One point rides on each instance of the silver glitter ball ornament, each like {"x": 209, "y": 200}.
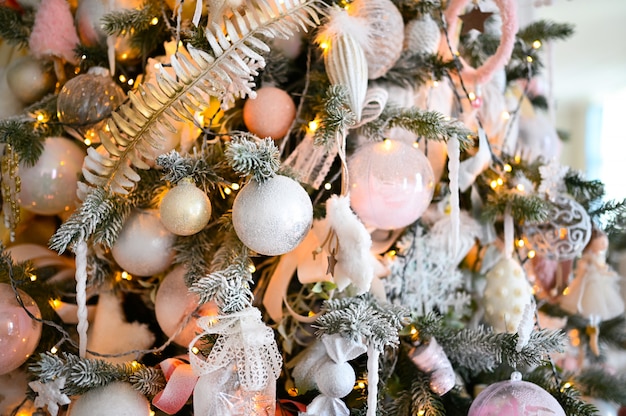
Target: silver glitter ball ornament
{"x": 272, "y": 217}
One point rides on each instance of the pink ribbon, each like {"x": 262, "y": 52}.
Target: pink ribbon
{"x": 181, "y": 381}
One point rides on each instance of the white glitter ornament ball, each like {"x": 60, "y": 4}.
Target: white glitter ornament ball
{"x": 422, "y": 35}
{"x": 385, "y": 38}
{"x": 506, "y": 294}
{"x": 117, "y": 398}
{"x": 335, "y": 379}
{"x": 185, "y": 209}
{"x": 29, "y": 80}
{"x": 174, "y": 302}
{"x": 391, "y": 184}
{"x": 19, "y": 333}
{"x": 270, "y": 114}
{"x": 144, "y": 247}
{"x": 272, "y": 217}
{"x": 49, "y": 187}
{"x": 566, "y": 233}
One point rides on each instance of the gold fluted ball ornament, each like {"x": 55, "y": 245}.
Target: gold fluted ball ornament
{"x": 185, "y": 209}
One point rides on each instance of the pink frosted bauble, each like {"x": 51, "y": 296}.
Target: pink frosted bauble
{"x": 117, "y": 398}
{"x": 144, "y": 247}
{"x": 19, "y": 334}
{"x": 515, "y": 397}
{"x": 172, "y": 305}
{"x": 49, "y": 187}
{"x": 272, "y": 217}
{"x": 270, "y": 114}
{"x": 391, "y": 184}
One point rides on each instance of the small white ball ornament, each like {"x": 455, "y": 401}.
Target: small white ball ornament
{"x": 49, "y": 187}
{"x": 506, "y": 294}
{"x": 335, "y": 379}
{"x": 29, "y": 80}
{"x": 144, "y": 247}
{"x": 391, "y": 184}
{"x": 117, "y": 398}
{"x": 272, "y": 217}
{"x": 185, "y": 209}
{"x": 270, "y": 114}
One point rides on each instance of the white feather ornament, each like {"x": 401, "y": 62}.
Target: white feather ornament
{"x": 385, "y": 36}
{"x": 344, "y": 57}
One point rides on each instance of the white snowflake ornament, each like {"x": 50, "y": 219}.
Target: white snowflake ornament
{"x": 49, "y": 394}
{"x": 552, "y": 176}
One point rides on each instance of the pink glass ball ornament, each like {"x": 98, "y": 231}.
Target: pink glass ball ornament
{"x": 565, "y": 234}
{"x": 270, "y": 114}
{"x": 49, "y": 187}
{"x": 19, "y": 333}
{"x": 515, "y": 397}
{"x": 174, "y": 302}
{"x": 391, "y": 184}
{"x": 185, "y": 209}
{"x": 272, "y": 217}
{"x": 144, "y": 247}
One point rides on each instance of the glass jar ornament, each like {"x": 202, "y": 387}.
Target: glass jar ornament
{"x": 85, "y": 101}
{"x": 515, "y": 397}
{"x": 185, "y": 209}
{"x": 49, "y": 187}
{"x": 391, "y": 184}
{"x": 19, "y": 333}
{"x": 565, "y": 234}
{"x": 272, "y": 217}
{"x": 144, "y": 246}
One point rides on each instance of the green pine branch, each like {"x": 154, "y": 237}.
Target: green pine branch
{"x": 15, "y": 25}
{"x": 335, "y": 115}
{"x": 545, "y": 30}
{"x": 524, "y": 208}
{"x": 416, "y": 399}
{"x": 362, "y": 319}
{"x": 599, "y": 383}
{"x": 83, "y": 374}
{"x": 414, "y": 69}
{"x": 568, "y": 396}
{"x": 429, "y": 124}
{"x": 250, "y": 156}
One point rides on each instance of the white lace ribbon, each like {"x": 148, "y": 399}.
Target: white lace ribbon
{"x": 243, "y": 340}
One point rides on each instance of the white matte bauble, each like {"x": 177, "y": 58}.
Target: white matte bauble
{"x": 185, "y": 209}
{"x": 174, "y": 302}
{"x": 49, "y": 187}
{"x": 29, "y": 79}
{"x": 335, "y": 379}
{"x": 272, "y": 217}
{"x": 391, "y": 184}
{"x": 506, "y": 295}
{"x": 422, "y": 35}
{"x": 117, "y": 398}
{"x": 144, "y": 247}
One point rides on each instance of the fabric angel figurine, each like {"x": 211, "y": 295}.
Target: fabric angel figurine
{"x": 594, "y": 293}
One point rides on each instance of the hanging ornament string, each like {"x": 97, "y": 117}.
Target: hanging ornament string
{"x": 243, "y": 340}
{"x": 80, "y": 250}
{"x": 508, "y": 233}
{"x": 482, "y": 74}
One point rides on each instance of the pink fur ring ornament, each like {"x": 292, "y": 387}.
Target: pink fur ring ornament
{"x": 483, "y": 74}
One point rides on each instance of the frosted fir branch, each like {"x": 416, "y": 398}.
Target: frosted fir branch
{"x": 335, "y": 116}
{"x": 176, "y": 167}
{"x": 123, "y": 21}
{"x": 362, "y": 319}
{"x": 566, "y": 393}
{"x": 249, "y": 155}
{"x": 528, "y": 208}
{"x": 97, "y": 206}
{"x": 431, "y": 125}
{"x": 84, "y": 374}
{"x": 414, "y": 400}
{"x": 192, "y": 251}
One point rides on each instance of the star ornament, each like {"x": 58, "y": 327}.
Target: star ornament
{"x": 49, "y": 394}
{"x": 475, "y": 19}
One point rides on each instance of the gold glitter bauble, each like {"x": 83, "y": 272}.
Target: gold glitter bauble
{"x": 185, "y": 209}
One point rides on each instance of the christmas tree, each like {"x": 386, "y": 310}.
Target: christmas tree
{"x": 296, "y": 207}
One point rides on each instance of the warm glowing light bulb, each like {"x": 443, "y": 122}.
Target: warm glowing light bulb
{"x": 508, "y": 168}
{"x": 328, "y": 186}
{"x": 154, "y": 21}
{"x": 531, "y": 254}
{"x": 122, "y": 78}
{"x": 324, "y": 45}
{"x": 435, "y": 84}
{"x": 506, "y": 115}
{"x": 520, "y": 187}
{"x": 32, "y": 277}
{"x": 126, "y": 276}
{"x": 493, "y": 184}
{"x": 499, "y": 181}
{"x": 227, "y": 191}
{"x": 537, "y": 44}
{"x": 54, "y": 350}
{"x": 529, "y": 59}
{"x": 87, "y": 141}
{"x": 520, "y": 243}
{"x": 252, "y": 268}
{"x": 195, "y": 350}
{"x": 313, "y": 125}
{"x": 471, "y": 95}
{"x": 234, "y": 186}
